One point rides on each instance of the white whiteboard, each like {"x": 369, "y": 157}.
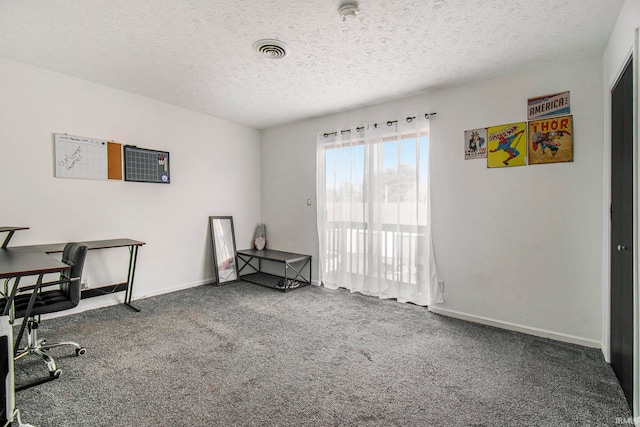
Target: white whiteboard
{"x": 80, "y": 157}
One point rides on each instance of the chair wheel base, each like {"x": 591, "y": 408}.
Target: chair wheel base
{"x": 81, "y": 351}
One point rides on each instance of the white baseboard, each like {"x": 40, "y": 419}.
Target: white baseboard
{"x": 518, "y": 328}
{"x": 115, "y": 299}
{"x": 174, "y": 289}
{"x": 118, "y": 298}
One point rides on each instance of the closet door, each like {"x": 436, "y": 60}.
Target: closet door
{"x": 622, "y": 232}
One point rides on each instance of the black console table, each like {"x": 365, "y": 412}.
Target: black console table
{"x": 295, "y": 266}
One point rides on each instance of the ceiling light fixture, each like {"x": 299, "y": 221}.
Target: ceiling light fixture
{"x": 270, "y": 48}
{"x": 348, "y": 10}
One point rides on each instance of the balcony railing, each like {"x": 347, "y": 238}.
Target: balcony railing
{"x": 388, "y": 250}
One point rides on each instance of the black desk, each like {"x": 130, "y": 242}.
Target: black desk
{"x": 127, "y": 286}
{"x": 21, "y": 262}
{"x": 293, "y": 262}
{"x": 10, "y": 230}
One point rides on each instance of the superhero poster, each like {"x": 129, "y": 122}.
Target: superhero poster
{"x": 551, "y": 140}
{"x": 475, "y": 144}
{"x": 507, "y": 145}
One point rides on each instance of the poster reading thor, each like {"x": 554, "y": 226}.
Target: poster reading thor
{"x": 551, "y": 140}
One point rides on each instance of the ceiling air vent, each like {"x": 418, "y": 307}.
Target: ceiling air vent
{"x": 272, "y": 49}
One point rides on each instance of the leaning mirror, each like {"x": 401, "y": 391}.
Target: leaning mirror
{"x": 224, "y": 248}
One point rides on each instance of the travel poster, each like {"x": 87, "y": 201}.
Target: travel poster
{"x": 507, "y": 145}
{"x": 475, "y": 144}
{"x": 551, "y": 140}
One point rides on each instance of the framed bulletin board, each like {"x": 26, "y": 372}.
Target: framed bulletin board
{"x": 144, "y": 165}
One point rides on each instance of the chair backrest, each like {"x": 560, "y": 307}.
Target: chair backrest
{"x": 74, "y": 255}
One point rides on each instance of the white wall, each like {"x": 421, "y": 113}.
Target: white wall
{"x": 522, "y": 246}
{"x": 519, "y": 247}
{"x": 215, "y": 170}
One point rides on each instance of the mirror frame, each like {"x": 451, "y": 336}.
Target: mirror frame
{"x": 224, "y": 244}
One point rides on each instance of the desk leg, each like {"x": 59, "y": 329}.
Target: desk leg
{"x": 27, "y": 314}
{"x": 10, "y": 296}
{"x": 6, "y": 241}
{"x": 133, "y": 257}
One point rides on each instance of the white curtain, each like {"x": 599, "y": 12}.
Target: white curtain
{"x": 374, "y": 221}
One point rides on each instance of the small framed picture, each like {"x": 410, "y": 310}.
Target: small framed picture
{"x": 475, "y": 144}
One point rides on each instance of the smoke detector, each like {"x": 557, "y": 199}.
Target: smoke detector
{"x": 348, "y": 10}
{"x": 270, "y": 48}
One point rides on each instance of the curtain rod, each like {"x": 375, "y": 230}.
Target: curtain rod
{"x": 389, "y": 123}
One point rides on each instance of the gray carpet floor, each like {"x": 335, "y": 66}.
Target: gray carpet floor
{"x": 244, "y": 355}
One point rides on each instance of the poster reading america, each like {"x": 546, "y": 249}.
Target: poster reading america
{"x": 556, "y": 104}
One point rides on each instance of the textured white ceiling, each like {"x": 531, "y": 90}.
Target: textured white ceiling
{"x": 198, "y": 53}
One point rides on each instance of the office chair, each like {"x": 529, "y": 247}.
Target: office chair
{"x": 64, "y": 296}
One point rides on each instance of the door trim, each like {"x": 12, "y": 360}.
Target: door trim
{"x": 636, "y": 187}
{"x": 633, "y": 54}
{"x": 606, "y": 212}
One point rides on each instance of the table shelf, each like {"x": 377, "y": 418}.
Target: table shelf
{"x": 270, "y": 281}
{"x": 295, "y": 266}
